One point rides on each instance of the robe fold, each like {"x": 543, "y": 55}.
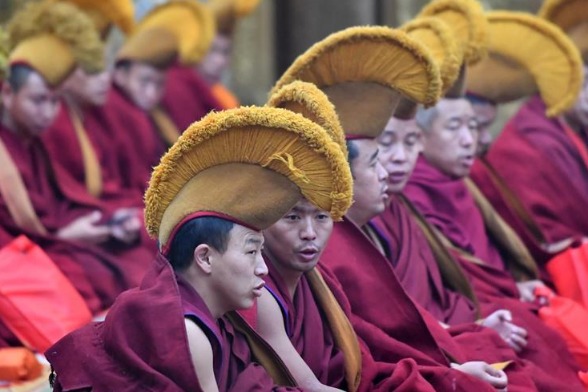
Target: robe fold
{"x": 394, "y": 327}
{"x": 142, "y": 344}
{"x": 103, "y": 131}
{"x": 187, "y": 97}
{"x": 448, "y": 205}
{"x": 99, "y": 272}
{"x": 305, "y": 322}
{"x": 542, "y": 166}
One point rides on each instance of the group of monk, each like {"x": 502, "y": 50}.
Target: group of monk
{"x": 358, "y": 232}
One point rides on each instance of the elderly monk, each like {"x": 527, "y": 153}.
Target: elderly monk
{"x": 364, "y": 99}
{"x": 475, "y": 234}
{"x": 207, "y": 205}
{"x": 93, "y": 243}
{"x": 525, "y": 198}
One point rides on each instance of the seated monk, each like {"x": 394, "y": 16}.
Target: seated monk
{"x": 141, "y": 70}
{"x": 207, "y": 205}
{"x": 402, "y": 330}
{"x": 523, "y": 186}
{"x": 93, "y": 243}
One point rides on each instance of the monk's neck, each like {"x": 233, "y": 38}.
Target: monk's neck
{"x": 9, "y": 123}
{"x": 208, "y": 294}
{"x": 289, "y": 277}
{"x": 357, "y": 216}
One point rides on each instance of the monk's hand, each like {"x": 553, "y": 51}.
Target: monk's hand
{"x": 86, "y": 229}
{"x": 527, "y": 289}
{"x": 485, "y": 372}
{"x": 501, "y": 322}
{"x": 125, "y": 225}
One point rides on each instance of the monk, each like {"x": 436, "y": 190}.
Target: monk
{"x": 210, "y": 261}
{"x": 449, "y": 149}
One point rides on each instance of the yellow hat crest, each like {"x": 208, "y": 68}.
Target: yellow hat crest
{"x": 572, "y": 17}
{"x": 105, "y": 13}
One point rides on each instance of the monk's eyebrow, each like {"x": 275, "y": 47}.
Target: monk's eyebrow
{"x": 254, "y": 241}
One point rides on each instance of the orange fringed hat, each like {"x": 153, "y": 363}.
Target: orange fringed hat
{"x": 54, "y": 38}
{"x": 308, "y": 100}
{"x": 178, "y": 29}
{"x": 572, "y": 17}
{"x": 228, "y": 12}
{"x": 364, "y": 71}
{"x": 250, "y": 165}
{"x": 105, "y": 13}
{"x": 527, "y": 55}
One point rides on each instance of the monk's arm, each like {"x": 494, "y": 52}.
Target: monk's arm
{"x": 270, "y": 326}
{"x": 201, "y": 353}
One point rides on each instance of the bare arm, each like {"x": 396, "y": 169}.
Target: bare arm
{"x": 270, "y": 326}
{"x": 201, "y": 353}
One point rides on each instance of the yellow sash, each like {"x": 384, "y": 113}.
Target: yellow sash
{"x": 166, "y": 127}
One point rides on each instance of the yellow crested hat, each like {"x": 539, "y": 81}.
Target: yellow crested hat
{"x": 527, "y": 55}
{"x": 3, "y": 55}
{"x": 250, "y": 165}
{"x": 364, "y": 71}
{"x": 572, "y": 17}
{"x": 178, "y": 29}
{"x": 228, "y": 12}
{"x": 105, "y": 13}
{"x": 308, "y": 100}
{"x": 53, "y": 39}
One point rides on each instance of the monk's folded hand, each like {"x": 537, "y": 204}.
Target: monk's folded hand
{"x": 485, "y": 372}
{"x": 125, "y": 225}
{"x": 501, "y": 322}
{"x": 527, "y": 289}
{"x": 86, "y": 229}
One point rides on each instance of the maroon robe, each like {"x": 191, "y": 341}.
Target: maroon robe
{"x": 542, "y": 166}
{"x": 103, "y": 128}
{"x": 139, "y": 137}
{"x": 188, "y": 97}
{"x": 99, "y": 273}
{"x": 142, "y": 344}
{"x": 394, "y": 327}
{"x": 416, "y": 267}
{"x": 447, "y": 204}
{"x": 305, "y": 323}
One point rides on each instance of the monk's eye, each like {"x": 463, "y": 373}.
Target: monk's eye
{"x": 411, "y": 140}
{"x": 291, "y": 217}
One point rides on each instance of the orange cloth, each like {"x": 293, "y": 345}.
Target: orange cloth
{"x": 225, "y": 98}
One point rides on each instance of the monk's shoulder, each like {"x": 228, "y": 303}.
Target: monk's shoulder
{"x": 202, "y": 356}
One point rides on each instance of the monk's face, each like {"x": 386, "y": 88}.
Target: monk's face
{"x": 485, "y": 115}
{"x": 88, "y": 89}
{"x": 237, "y": 273}
{"x": 295, "y": 242}
{"x": 33, "y": 108}
{"x": 450, "y": 144}
{"x": 369, "y": 182}
{"x": 217, "y": 60}
{"x": 400, "y": 146}
{"x": 143, "y": 84}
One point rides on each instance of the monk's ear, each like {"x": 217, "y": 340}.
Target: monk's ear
{"x": 120, "y": 75}
{"x": 7, "y": 95}
{"x": 202, "y": 258}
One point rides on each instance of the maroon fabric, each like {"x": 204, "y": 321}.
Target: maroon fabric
{"x": 138, "y": 136}
{"x": 188, "y": 97}
{"x": 142, "y": 344}
{"x": 308, "y": 330}
{"x": 99, "y": 273}
{"x": 416, "y": 267}
{"x": 541, "y": 164}
{"x": 494, "y": 287}
{"x": 102, "y": 129}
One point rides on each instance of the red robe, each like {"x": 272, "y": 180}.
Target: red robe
{"x": 448, "y": 205}
{"x": 416, "y": 267}
{"x": 542, "y": 166}
{"x": 142, "y": 344}
{"x": 188, "y": 97}
{"x": 394, "y": 327}
{"x": 305, "y": 325}
{"x": 99, "y": 273}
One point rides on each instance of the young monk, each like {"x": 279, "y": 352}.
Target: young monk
{"x": 207, "y": 205}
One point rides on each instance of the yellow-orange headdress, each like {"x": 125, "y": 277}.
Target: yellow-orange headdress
{"x": 572, "y": 17}
{"x": 53, "y": 39}
{"x": 364, "y": 71}
{"x": 179, "y": 29}
{"x": 105, "y": 13}
{"x": 228, "y": 12}
{"x": 527, "y": 55}
{"x": 250, "y": 165}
